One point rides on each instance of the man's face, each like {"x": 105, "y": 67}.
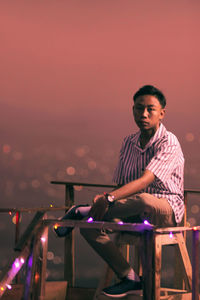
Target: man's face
{"x": 148, "y": 112}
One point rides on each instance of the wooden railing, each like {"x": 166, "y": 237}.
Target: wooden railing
{"x": 32, "y": 249}
{"x": 30, "y": 243}
{"x": 69, "y": 272}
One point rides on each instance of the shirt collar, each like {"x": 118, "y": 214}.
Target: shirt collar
{"x": 158, "y": 134}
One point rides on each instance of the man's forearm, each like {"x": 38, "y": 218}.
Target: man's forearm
{"x": 134, "y": 187}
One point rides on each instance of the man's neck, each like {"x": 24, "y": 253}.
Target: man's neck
{"x": 145, "y": 137}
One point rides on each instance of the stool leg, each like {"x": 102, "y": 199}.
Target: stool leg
{"x": 184, "y": 261}
{"x": 157, "y": 265}
{"x": 147, "y": 257}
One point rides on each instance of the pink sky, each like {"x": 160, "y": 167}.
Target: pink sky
{"x": 68, "y": 70}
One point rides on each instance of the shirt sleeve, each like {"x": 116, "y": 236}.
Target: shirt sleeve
{"x": 164, "y": 162}
{"x": 118, "y": 176}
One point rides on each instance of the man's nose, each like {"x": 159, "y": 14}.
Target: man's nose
{"x": 145, "y": 113}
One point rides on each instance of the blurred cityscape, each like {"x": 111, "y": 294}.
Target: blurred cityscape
{"x": 31, "y": 158}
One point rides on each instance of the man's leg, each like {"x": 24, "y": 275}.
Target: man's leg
{"x": 157, "y": 211}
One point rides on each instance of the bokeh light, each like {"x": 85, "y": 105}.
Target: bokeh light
{"x": 189, "y": 137}
{"x": 70, "y": 171}
{"x": 6, "y": 149}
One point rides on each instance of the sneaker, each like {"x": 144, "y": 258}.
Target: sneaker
{"x": 123, "y": 288}
{"x": 73, "y": 214}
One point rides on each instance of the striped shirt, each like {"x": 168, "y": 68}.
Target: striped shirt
{"x": 164, "y": 158}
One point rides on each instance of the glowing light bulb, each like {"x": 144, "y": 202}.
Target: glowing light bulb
{"x": 43, "y": 239}
{"x": 90, "y": 220}
{"x": 194, "y": 228}
{"x": 37, "y": 276}
{"x": 16, "y": 264}
{"x": 51, "y": 205}
{"x": 9, "y": 286}
{"x": 120, "y": 222}
{"x": 56, "y": 226}
{"x": 10, "y": 213}
{"x": 2, "y": 288}
{"x": 22, "y": 260}
{"x": 146, "y": 222}
{"x": 171, "y": 235}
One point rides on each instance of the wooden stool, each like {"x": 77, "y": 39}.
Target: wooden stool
{"x": 161, "y": 237}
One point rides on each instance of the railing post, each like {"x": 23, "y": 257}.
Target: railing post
{"x": 185, "y": 203}
{"x": 195, "y": 264}
{"x": 44, "y": 249}
{"x": 17, "y": 234}
{"x": 69, "y": 268}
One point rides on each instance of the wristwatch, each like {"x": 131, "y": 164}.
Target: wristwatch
{"x": 110, "y": 199}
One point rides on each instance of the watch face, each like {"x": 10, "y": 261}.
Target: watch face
{"x": 110, "y": 199}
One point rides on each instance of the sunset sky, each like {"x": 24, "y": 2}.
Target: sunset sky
{"x": 68, "y": 71}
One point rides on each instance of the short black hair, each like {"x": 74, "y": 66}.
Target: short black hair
{"x": 153, "y": 91}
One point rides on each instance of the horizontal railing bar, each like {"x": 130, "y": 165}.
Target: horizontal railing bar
{"x": 33, "y": 209}
{"x": 35, "y": 223}
{"x": 56, "y": 208}
{"x": 192, "y": 191}
{"x": 69, "y": 183}
{"x": 83, "y": 184}
{"x": 137, "y": 227}
{"x": 176, "y": 229}
{"x": 134, "y": 227}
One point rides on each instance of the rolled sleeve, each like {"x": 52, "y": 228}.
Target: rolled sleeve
{"x": 164, "y": 162}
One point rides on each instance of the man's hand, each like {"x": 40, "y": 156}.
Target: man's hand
{"x": 99, "y": 207}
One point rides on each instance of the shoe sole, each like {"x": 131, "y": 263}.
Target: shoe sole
{"x": 131, "y": 292}
{"x": 69, "y": 229}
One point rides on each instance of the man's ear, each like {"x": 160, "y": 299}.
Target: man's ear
{"x": 162, "y": 113}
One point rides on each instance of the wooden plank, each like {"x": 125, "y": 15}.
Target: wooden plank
{"x": 185, "y": 261}
{"x": 147, "y": 260}
{"x": 44, "y": 243}
{"x": 78, "y": 293}
{"x": 69, "y": 183}
{"x": 32, "y": 227}
{"x": 102, "y": 225}
{"x": 157, "y": 266}
{"x": 33, "y": 209}
{"x": 69, "y": 265}
{"x": 12, "y": 268}
{"x": 38, "y": 276}
{"x": 55, "y": 290}
{"x": 28, "y": 275}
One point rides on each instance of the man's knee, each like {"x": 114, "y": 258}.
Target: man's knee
{"x": 145, "y": 201}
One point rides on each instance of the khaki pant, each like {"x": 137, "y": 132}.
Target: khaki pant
{"x": 138, "y": 208}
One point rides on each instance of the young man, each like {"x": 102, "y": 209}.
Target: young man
{"x": 150, "y": 173}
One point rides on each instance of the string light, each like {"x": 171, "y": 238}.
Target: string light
{"x": 9, "y": 286}
{"x": 146, "y": 222}
{"x": 2, "y": 288}
{"x": 90, "y": 220}
{"x": 16, "y": 263}
{"x": 171, "y": 235}
{"x": 120, "y": 222}
{"x": 194, "y": 228}
{"x": 22, "y": 260}
{"x": 51, "y": 205}
{"x": 55, "y": 226}
{"x": 37, "y": 276}
{"x": 43, "y": 239}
